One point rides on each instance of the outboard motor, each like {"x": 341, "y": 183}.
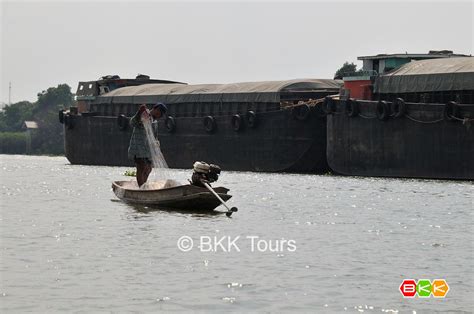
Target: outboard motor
{"x": 204, "y": 172}
{"x": 203, "y": 175}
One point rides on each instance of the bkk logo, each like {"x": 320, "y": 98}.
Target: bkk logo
{"x": 424, "y": 288}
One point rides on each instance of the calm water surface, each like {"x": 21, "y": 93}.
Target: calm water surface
{"x": 67, "y": 244}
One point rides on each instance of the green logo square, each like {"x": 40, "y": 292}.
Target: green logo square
{"x": 423, "y": 287}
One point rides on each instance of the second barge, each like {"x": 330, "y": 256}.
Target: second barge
{"x": 414, "y": 121}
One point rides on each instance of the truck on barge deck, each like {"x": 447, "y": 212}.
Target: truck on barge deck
{"x": 414, "y": 121}
{"x": 258, "y": 126}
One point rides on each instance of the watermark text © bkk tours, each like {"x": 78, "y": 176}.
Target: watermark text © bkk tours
{"x": 229, "y": 244}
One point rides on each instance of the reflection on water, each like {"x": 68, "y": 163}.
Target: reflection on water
{"x": 67, "y": 244}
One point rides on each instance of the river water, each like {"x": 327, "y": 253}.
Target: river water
{"x": 67, "y": 244}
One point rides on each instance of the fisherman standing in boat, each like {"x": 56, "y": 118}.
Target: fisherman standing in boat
{"x": 139, "y": 150}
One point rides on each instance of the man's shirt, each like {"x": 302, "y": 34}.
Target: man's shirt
{"x": 138, "y": 147}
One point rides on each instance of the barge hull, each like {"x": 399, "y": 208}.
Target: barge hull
{"x": 420, "y": 144}
{"x": 278, "y": 143}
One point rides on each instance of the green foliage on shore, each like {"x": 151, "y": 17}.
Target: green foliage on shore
{"x": 48, "y": 139}
{"x": 12, "y": 142}
{"x": 130, "y": 173}
{"x": 12, "y": 117}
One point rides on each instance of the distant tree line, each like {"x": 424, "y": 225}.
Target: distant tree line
{"x": 48, "y": 139}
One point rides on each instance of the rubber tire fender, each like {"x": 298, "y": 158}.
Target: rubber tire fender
{"x": 301, "y": 112}
{"x": 209, "y": 124}
{"x": 318, "y": 111}
{"x": 382, "y": 110}
{"x": 451, "y": 111}
{"x": 399, "y": 107}
{"x": 252, "y": 119}
{"x": 328, "y": 105}
{"x": 170, "y": 124}
{"x": 236, "y": 122}
{"x": 352, "y": 108}
{"x": 122, "y": 122}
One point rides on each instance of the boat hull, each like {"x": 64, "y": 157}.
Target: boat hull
{"x": 183, "y": 197}
{"x": 422, "y": 143}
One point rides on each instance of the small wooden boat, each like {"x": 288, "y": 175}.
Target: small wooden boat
{"x": 181, "y": 197}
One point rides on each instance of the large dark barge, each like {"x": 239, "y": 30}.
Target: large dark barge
{"x": 414, "y": 121}
{"x": 270, "y": 126}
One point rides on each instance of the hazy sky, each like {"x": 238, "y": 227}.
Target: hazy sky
{"x": 44, "y": 43}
